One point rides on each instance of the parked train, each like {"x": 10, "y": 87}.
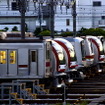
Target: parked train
{"x": 52, "y": 59}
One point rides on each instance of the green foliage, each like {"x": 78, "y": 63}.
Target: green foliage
{"x": 1, "y": 30}
{"x": 64, "y": 34}
{"x": 91, "y": 31}
{"x": 83, "y": 103}
{"x": 37, "y": 31}
{"x": 15, "y": 28}
{"x": 45, "y": 33}
{"x": 6, "y": 29}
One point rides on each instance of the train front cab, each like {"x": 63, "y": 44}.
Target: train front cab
{"x": 58, "y": 63}
{"x": 78, "y": 44}
{"x": 71, "y": 58}
{"x": 99, "y": 57}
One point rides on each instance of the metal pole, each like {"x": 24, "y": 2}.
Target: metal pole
{"x": 64, "y": 103}
{"x": 22, "y": 10}
{"x": 40, "y": 21}
{"x": 74, "y": 18}
{"x": 52, "y": 18}
{"x": 23, "y": 25}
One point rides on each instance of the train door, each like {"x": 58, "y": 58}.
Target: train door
{"x": 8, "y": 62}
{"x": 12, "y": 62}
{"x": 33, "y": 62}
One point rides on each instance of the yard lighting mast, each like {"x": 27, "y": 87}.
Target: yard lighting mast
{"x": 22, "y": 9}
{"x": 52, "y": 18}
{"x": 73, "y": 4}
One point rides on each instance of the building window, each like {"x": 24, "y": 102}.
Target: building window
{"x": 67, "y": 22}
{"x": 97, "y": 3}
{"x": 102, "y": 17}
{"x": 14, "y": 6}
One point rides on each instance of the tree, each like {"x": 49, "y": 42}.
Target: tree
{"x": 91, "y": 31}
{"x": 64, "y": 34}
{"x": 15, "y": 28}
{"x": 6, "y": 29}
{"x": 45, "y": 33}
{"x": 37, "y": 31}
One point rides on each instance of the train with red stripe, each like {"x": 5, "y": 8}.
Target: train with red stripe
{"x": 54, "y": 60}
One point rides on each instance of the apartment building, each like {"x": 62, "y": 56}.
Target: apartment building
{"x": 10, "y": 15}
{"x": 89, "y": 14}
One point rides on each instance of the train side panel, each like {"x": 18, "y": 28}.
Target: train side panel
{"x": 24, "y": 60}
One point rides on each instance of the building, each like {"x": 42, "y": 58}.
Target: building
{"x": 10, "y": 15}
{"x": 90, "y": 14}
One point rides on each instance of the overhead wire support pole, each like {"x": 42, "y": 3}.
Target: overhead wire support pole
{"x": 74, "y": 18}
{"x": 22, "y": 10}
{"x": 52, "y": 18}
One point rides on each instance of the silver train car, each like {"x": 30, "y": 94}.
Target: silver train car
{"x": 84, "y": 54}
{"x": 32, "y": 59}
{"x": 59, "y": 65}
{"x": 25, "y": 59}
{"x": 99, "y": 57}
{"x": 56, "y": 58}
{"x": 70, "y": 55}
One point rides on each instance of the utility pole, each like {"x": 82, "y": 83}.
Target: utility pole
{"x": 74, "y": 17}
{"x": 40, "y": 20}
{"x": 52, "y": 18}
{"x": 22, "y": 10}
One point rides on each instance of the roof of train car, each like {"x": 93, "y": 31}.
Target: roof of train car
{"x": 22, "y": 41}
{"x": 70, "y": 39}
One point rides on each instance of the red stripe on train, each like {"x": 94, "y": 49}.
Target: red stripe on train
{"x": 47, "y": 64}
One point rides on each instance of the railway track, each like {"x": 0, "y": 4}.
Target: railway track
{"x": 90, "y": 90}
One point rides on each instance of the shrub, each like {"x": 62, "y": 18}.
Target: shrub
{"x": 6, "y": 29}
{"x": 91, "y": 31}
{"x": 45, "y": 33}
{"x": 15, "y": 28}
{"x": 64, "y": 34}
{"x": 37, "y": 31}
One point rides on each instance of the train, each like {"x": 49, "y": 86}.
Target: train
{"x": 54, "y": 60}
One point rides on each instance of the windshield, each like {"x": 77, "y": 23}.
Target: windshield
{"x": 72, "y": 55}
{"x": 83, "y": 50}
{"x": 61, "y": 57}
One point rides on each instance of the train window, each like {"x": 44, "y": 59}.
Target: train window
{"x": 12, "y": 57}
{"x": 101, "y": 50}
{"x": 47, "y": 51}
{"x": 33, "y": 56}
{"x": 61, "y": 57}
{"x": 72, "y": 54}
{"x": 47, "y": 54}
{"x": 82, "y": 50}
{"x": 91, "y": 45}
{"x": 3, "y": 57}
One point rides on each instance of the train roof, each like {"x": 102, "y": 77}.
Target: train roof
{"x": 76, "y": 39}
{"x": 70, "y": 39}
{"x": 22, "y": 41}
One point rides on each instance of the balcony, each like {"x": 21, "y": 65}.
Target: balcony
{"x": 11, "y": 14}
